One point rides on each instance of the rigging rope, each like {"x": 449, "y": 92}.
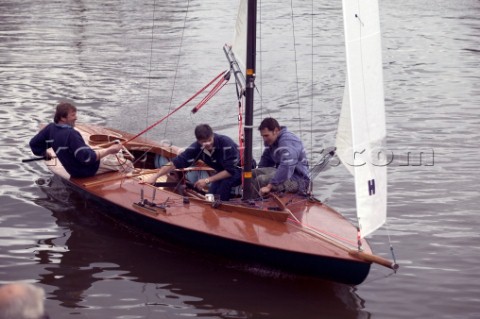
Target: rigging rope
{"x": 150, "y": 62}
{"x": 390, "y": 243}
{"x": 223, "y": 73}
{"x": 296, "y": 68}
{"x": 311, "y": 84}
{"x": 178, "y": 61}
{"x": 220, "y": 84}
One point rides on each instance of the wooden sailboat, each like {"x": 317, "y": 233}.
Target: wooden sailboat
{"x": 289, "y": 232}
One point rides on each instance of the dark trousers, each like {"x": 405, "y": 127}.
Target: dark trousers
{"x": 224, "y": 187}
{"x": 263, "y": 175}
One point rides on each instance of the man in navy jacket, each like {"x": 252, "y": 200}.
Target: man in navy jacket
{"x": 219, "y": 152}
{"x": 78, "y": 159}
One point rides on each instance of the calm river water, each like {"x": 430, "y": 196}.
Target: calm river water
{"x": 126, "y": 63}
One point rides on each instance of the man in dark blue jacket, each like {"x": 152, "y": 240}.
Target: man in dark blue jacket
{"x": 219, "y": 152}
{"x": 283, "y": 165}
{"x": 78, "y": 159}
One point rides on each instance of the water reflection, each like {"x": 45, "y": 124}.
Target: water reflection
{"x": 97, "y": 53}
{"x": 103, "y": 260}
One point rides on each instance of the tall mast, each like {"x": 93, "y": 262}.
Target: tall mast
{"x": 249, "y": 91}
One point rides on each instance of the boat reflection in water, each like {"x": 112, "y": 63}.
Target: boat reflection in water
{"x": 98, "y": 267}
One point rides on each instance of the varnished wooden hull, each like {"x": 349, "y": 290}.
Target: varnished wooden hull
{"x": 313, "y": 240}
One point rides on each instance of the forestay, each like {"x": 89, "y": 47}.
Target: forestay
{"x": 361, "y": 133}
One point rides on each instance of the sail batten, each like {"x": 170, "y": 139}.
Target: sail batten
{"x": 361, "y": 134}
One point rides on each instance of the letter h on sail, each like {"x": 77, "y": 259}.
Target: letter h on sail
{"x": 371, "y": 187}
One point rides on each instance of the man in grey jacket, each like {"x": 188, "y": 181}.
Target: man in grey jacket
{"x": 283, "y": 165}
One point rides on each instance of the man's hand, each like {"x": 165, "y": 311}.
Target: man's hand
{"x": 266, "y": 189}
{"x": 114, "y": 149}
{"x": 150, "y": 179}
{"x": 202, "y": 184}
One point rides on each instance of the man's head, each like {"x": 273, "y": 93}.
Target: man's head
{"x": 269, "y": 129}
{"x": 65, "y": 113}
{"x": 204, "y": 136}
{"x": 21, "y": 301}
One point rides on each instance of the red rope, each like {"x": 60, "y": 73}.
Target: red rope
{"x": 218, "y": 86}
{"x": 241, "y": 139}
{"x": 175, "y": 110}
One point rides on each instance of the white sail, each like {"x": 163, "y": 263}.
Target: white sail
{"x": 239, "y": 46}
{"x": 362, "y": 133}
